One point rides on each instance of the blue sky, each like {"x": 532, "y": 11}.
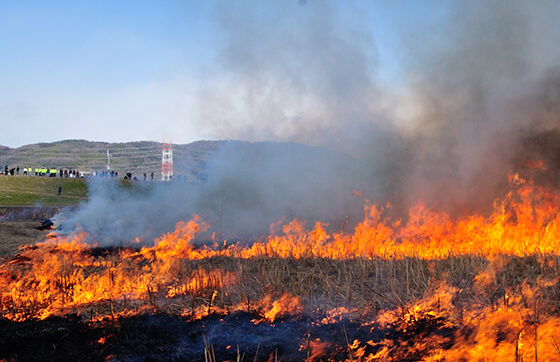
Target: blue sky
{"x": 123, "y": 71}
{"x": 132, "y": 70}
{"x": 102, "y": 44}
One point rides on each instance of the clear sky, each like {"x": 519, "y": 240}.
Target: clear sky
{"x": 118, "y": 71}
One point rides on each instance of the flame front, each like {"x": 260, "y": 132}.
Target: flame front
{"x": 427, "y": 287}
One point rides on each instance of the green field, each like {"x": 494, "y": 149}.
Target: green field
{"x": 41, "y": 191}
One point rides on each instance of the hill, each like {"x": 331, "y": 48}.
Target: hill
{"x": 135, "y": 157}
{"x": 190, "y": 161}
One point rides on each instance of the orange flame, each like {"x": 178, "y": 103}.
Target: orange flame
{"x": 508, "y": 316}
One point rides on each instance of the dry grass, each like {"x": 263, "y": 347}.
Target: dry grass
{"x": 409, "y": 291}
{"x": 367, "y": 286}
{"x": 362, "y": 286}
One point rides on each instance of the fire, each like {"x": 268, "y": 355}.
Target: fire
{"x": 427, "y": 287}
{"x": 286, "y": 305}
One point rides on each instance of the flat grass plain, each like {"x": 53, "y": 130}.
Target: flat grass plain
{"x": 39, "y": 196}
{"x": 41, "y": 191}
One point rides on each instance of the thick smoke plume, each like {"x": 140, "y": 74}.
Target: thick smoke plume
{"x": 477, "y": 97}
{"x": 478, "y": 84}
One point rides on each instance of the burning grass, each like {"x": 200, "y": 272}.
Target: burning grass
{"x": 428, "y": 288}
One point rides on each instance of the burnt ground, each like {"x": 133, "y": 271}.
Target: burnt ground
{"x": 18, "y": 226}
{"x": 236, "y": 336}
{"x": 14, "y": 233}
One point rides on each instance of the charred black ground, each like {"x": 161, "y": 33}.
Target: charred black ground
{"x": 157, "y": 337}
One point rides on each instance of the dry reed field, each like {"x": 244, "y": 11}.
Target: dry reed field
{"x": 428, "y": 288}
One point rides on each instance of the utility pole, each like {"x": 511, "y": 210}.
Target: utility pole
{"x": 167, "y": 162}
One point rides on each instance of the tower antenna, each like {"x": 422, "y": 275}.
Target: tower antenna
{"x": 167, "y": 162}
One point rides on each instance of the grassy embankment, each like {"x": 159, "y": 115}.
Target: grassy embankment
{"x": 41, "y": 191}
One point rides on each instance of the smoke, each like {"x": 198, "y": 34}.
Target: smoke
{"x": 479, "y": 82}
{"x": 295, "y": 73}
{"x": 483, "y": 91}
{"x": 248, "y": 187}
{"x": 478, "y": 96}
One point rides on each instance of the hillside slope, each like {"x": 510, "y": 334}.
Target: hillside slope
{"x": 190, "y": 161}
{"x": 135, "y": 157}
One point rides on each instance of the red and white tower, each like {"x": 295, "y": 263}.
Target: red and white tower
{"x": 167, "y": 162}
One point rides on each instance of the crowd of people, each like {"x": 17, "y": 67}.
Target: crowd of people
{"x": 69, "y": 173}
{"x": 42, "y": 172}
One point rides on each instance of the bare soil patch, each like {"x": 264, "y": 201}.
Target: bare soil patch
{"x": 18, "y": 226}
{"x": 14, "y": 233}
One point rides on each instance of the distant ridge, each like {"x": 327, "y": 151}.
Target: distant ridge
{"x": 189, "y": 160}
{"x": 135, "y": 157}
